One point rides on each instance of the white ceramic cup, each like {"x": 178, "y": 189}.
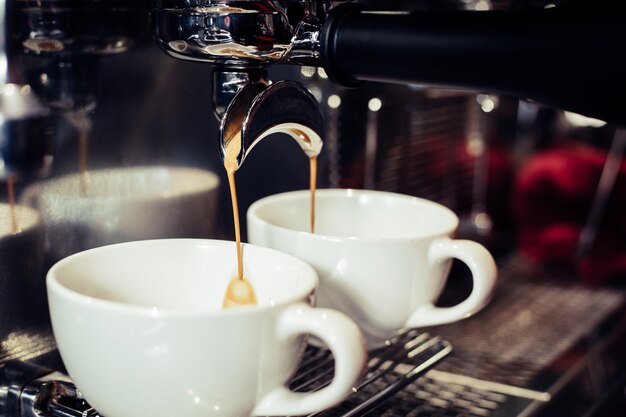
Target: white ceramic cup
{"x": 382, "y": 258}
{"x": 141, "y": 331}
{"x": 124, "y": 204}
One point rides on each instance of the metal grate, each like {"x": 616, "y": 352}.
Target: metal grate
{"x": 26, "y": 344}
{"x": 414, "y": 144}
{"x": 389, "y": 370}
{"x": 534, "y": 318}
{"x": 396, "y": 383}
{"x": 421, "y": 142}
{"x": 502, "y": 364}
{"x": 429, "y": 397}
{"x": 502, "y": 355}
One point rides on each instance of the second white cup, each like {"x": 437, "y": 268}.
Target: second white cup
{"x": 383, "y": 258}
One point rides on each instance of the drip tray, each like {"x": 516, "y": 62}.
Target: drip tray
{"x": 389, "y": 370}
{"x": 543, "y": 341}
{"x": 545, "y": 344}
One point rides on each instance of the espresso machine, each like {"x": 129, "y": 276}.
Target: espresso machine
{"x": 172, "y": 82}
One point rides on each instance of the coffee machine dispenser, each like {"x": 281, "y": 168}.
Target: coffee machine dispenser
{"x": 566, "y": 56}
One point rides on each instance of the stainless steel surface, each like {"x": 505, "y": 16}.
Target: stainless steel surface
{"x": 239, "y": 39}
{"x": 22, "y": 116}
{"x": 478, "y": 221}
{"x": 37, "y": 391}
{"x": 518, "y": 356}
{"x": 70, "y": 27}
{"x": 16, "y": 368}
{"x": 26, "y": 344}
{"x": 44, "y": 396}
{"x": 60, "y": 44}
{"x": 539, "y": 335}
{"x": 603, "y": 194}
{"x": 529, "y": 324}
{"x": 226, "y": 85}
{"x": 389, "y": 370}
{"x": 421, "y": 142}
{"x": 240, "y": 34}
{"x": 23, "y": 308}
{"x": 59, "y": 34}
{"x": 95, "y": 64}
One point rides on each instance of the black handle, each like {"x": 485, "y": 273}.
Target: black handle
{"x": 569, "y": 56}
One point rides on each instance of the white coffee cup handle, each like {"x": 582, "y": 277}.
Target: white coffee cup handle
{"x": 344, "y": 340}
{"x": 484, "y": 276}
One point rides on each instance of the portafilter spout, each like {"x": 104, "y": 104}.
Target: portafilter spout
{"x": 260, "y": 109}
{"x": 240, "y": 39}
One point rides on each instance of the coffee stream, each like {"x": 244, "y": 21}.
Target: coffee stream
{"x": 82, "y": 164}
{"x": 240, "y": 291}
{"x": 313, "y": 185}
{"x": 11, "y": 197}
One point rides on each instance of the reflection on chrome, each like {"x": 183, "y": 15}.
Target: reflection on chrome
{"x": 239, "y": 34}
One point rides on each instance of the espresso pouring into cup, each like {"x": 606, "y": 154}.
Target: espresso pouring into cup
{"x": 141, "y": 330}
{"x": 250, "y": 117}
{"x": 383, "y": 258}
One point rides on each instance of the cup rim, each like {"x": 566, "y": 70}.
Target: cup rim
{"x": 54, "y": 286}
{"x": 349, "y": 193}
{"x": 48, "y": 187}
